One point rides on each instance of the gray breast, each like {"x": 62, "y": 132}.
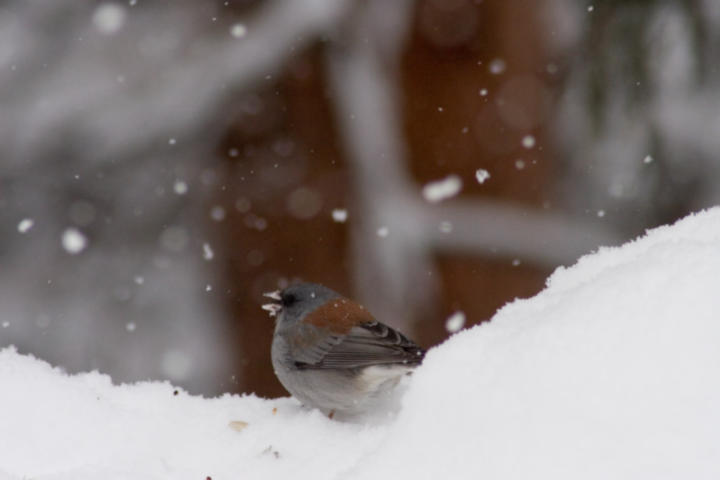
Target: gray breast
{"x": 349, "y": 391}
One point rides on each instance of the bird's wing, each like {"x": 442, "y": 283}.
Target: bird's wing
{"x": 366, "y": 344}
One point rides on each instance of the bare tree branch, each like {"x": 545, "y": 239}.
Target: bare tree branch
{"x": 394, "y": 273}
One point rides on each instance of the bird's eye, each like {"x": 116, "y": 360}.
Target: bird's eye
{"x": 288, "y": 299}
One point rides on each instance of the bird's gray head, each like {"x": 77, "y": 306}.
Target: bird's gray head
{"x": 298, "y": 300}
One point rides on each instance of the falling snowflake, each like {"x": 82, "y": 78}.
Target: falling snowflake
{"x": 481, "y": 175}
{"x": 180, "y": 187}
{"x": 455, "y": 322}
{"x": 339, "y": 215}
{"x": 497, "y": 66}
{"x": 217, "y": 213}
{"x": 25, "y": 225}
{"x": 109, "y": 18}
{"x": 528, "y": 141}
{"x": 238, "y": 30}
{"x": 208, "y": 253}
{"x": 442, "y": 189}
{"x": 73, "y": 241}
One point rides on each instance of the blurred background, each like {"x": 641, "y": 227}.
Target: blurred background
{"x": 163, "y": 163}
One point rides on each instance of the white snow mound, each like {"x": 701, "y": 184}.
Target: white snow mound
{"x": 613, "y": 371}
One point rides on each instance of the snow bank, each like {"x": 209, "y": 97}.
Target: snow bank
{"x": 613, "y": 371}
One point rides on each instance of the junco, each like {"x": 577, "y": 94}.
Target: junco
{"x": 330, "y": 353}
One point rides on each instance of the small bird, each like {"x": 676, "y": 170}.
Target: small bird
{"x": 331, "y": 354}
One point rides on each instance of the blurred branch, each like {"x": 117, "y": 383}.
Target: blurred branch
{"x": 501, "y": 230}
{"x": 363, "y": 75}
{"x": 394, "y": 274}
{"x": 209, "y": 73}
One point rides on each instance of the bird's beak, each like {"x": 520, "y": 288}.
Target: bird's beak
{"x": 273, "y": 308}
{"x": 274, "y": 295}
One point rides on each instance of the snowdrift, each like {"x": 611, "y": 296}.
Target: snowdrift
{"x": 613, "y": 371}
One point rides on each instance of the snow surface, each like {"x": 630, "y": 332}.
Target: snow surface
{"x": 613, "y": 371}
